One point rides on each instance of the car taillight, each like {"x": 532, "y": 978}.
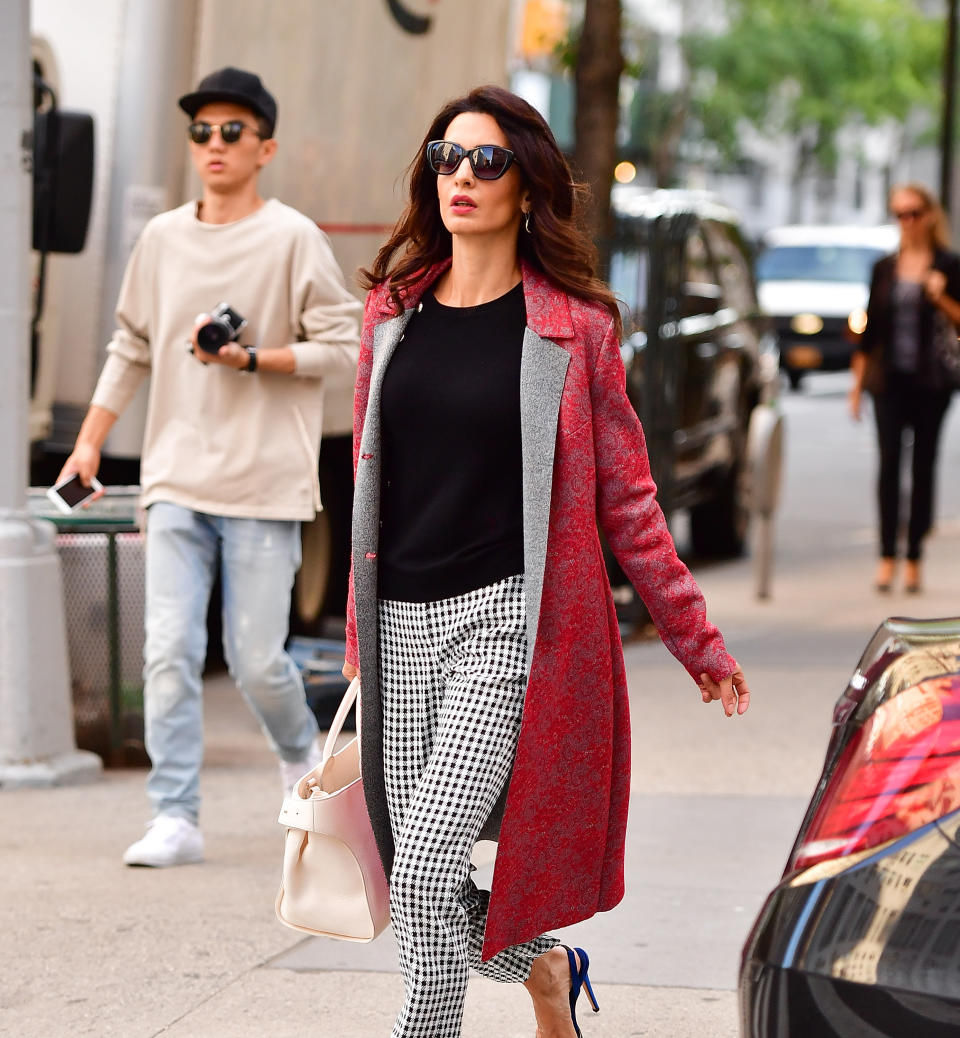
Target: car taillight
{"x": 900, "y": 770}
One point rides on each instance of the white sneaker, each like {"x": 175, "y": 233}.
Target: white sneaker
{"x": 291, "y": 771}
{"x": 170, "y": 840}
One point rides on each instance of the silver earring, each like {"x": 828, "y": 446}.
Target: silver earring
{"x": 526, "y": 221}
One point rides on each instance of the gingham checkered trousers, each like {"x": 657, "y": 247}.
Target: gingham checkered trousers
{"x": 453, "y": 677}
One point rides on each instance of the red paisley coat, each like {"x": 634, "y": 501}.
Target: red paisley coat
{"x": 561, "y": 842}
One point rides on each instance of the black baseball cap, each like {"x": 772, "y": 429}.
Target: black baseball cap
{"x": 237, "y": 86}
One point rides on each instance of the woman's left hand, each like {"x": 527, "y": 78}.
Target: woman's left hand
{"x": 854, "y": 397}
{"x": 732, "y": 692}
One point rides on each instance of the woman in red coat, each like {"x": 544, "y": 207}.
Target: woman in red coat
{"x": 492, "y": 430}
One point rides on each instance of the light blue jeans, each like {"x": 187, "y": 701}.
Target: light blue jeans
{"x": 258, "y": 560}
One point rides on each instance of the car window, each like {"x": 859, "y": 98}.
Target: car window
{"x": 848, "y": 263}
{"x": 733, "y": 267}
{"x": 701, "y": 292}
{"x": 629, "y": 271}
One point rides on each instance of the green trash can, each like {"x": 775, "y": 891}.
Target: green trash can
{"x": 101, "y": 551}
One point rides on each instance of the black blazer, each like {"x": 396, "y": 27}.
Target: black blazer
{"x": 877, "y": 336}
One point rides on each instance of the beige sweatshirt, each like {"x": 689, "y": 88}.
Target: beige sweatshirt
{"x": 218, "y": 440}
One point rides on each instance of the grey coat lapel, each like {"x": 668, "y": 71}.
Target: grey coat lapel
{"x": 366, "y": 526}
{"x": 366, "y": 495}
{"x": 543, "y": 370}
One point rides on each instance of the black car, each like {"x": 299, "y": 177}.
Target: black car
{"x": 862, "y": 935}
{"x": 698, "y": 353}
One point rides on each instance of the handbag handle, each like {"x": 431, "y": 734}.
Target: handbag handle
{"x": 336, "y": 726}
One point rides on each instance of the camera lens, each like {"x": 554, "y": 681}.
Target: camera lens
{"x": 214, "y": 334}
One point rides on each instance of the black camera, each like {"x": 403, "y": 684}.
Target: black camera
{"x": 223, "y": 325}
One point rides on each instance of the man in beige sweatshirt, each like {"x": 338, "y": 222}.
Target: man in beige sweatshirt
{"x": 229, "y": 460}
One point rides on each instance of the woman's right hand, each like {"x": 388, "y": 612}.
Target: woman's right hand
{"x": 349, "y": 671}
{"x": 853, "y": 401}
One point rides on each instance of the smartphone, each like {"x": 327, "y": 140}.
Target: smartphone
{"x": 71, "y": 493}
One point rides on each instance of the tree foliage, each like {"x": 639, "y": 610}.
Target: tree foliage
{"x": 807, "y": 69}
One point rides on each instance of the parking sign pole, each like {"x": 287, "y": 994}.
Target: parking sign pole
{"x": 37, "y": 745}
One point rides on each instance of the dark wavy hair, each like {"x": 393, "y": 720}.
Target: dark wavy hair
{"x": 558, "y": 245}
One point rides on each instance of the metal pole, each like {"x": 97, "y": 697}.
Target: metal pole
{"x": 113, "y": 634}
{"x": 765, "y": 436}
{"x": 36, "y": 725}
{"x": 15, "y": 156}
{"x": 948, "y": 125}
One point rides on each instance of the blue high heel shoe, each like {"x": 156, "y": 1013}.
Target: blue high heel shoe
{"x": 579, "y": 981}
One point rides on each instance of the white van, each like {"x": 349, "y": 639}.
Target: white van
{"x": 814, "y": 282}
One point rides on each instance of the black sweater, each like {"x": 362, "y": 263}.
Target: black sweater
{"x": 451, "y": 504}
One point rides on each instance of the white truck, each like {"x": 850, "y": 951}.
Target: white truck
{"x": 357, "y": 82}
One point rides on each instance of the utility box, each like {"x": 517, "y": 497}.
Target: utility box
{"x": 101, "y": 553}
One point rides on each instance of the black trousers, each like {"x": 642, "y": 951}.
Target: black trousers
{"x": 902, "y": 405}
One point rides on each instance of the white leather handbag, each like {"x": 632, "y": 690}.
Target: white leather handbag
{"x": 333, "y": 884}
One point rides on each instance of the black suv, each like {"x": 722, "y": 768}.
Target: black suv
{"x": 699, "y": 355}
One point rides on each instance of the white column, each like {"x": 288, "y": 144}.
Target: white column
{"x": 37, "y": 746}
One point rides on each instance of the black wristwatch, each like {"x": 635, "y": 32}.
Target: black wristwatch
{"x": 252, "y": 361}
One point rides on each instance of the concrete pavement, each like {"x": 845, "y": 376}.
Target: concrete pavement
{"x": 91, "y": 948}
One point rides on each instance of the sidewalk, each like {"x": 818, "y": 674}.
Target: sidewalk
{"x": 93, "y": 948}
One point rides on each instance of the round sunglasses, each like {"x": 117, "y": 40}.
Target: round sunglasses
{"x": 230, "y": 132}
{"x": 488, "y": 161}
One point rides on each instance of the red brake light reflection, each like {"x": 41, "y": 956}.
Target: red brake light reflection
{"x": 900, "y": 771}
